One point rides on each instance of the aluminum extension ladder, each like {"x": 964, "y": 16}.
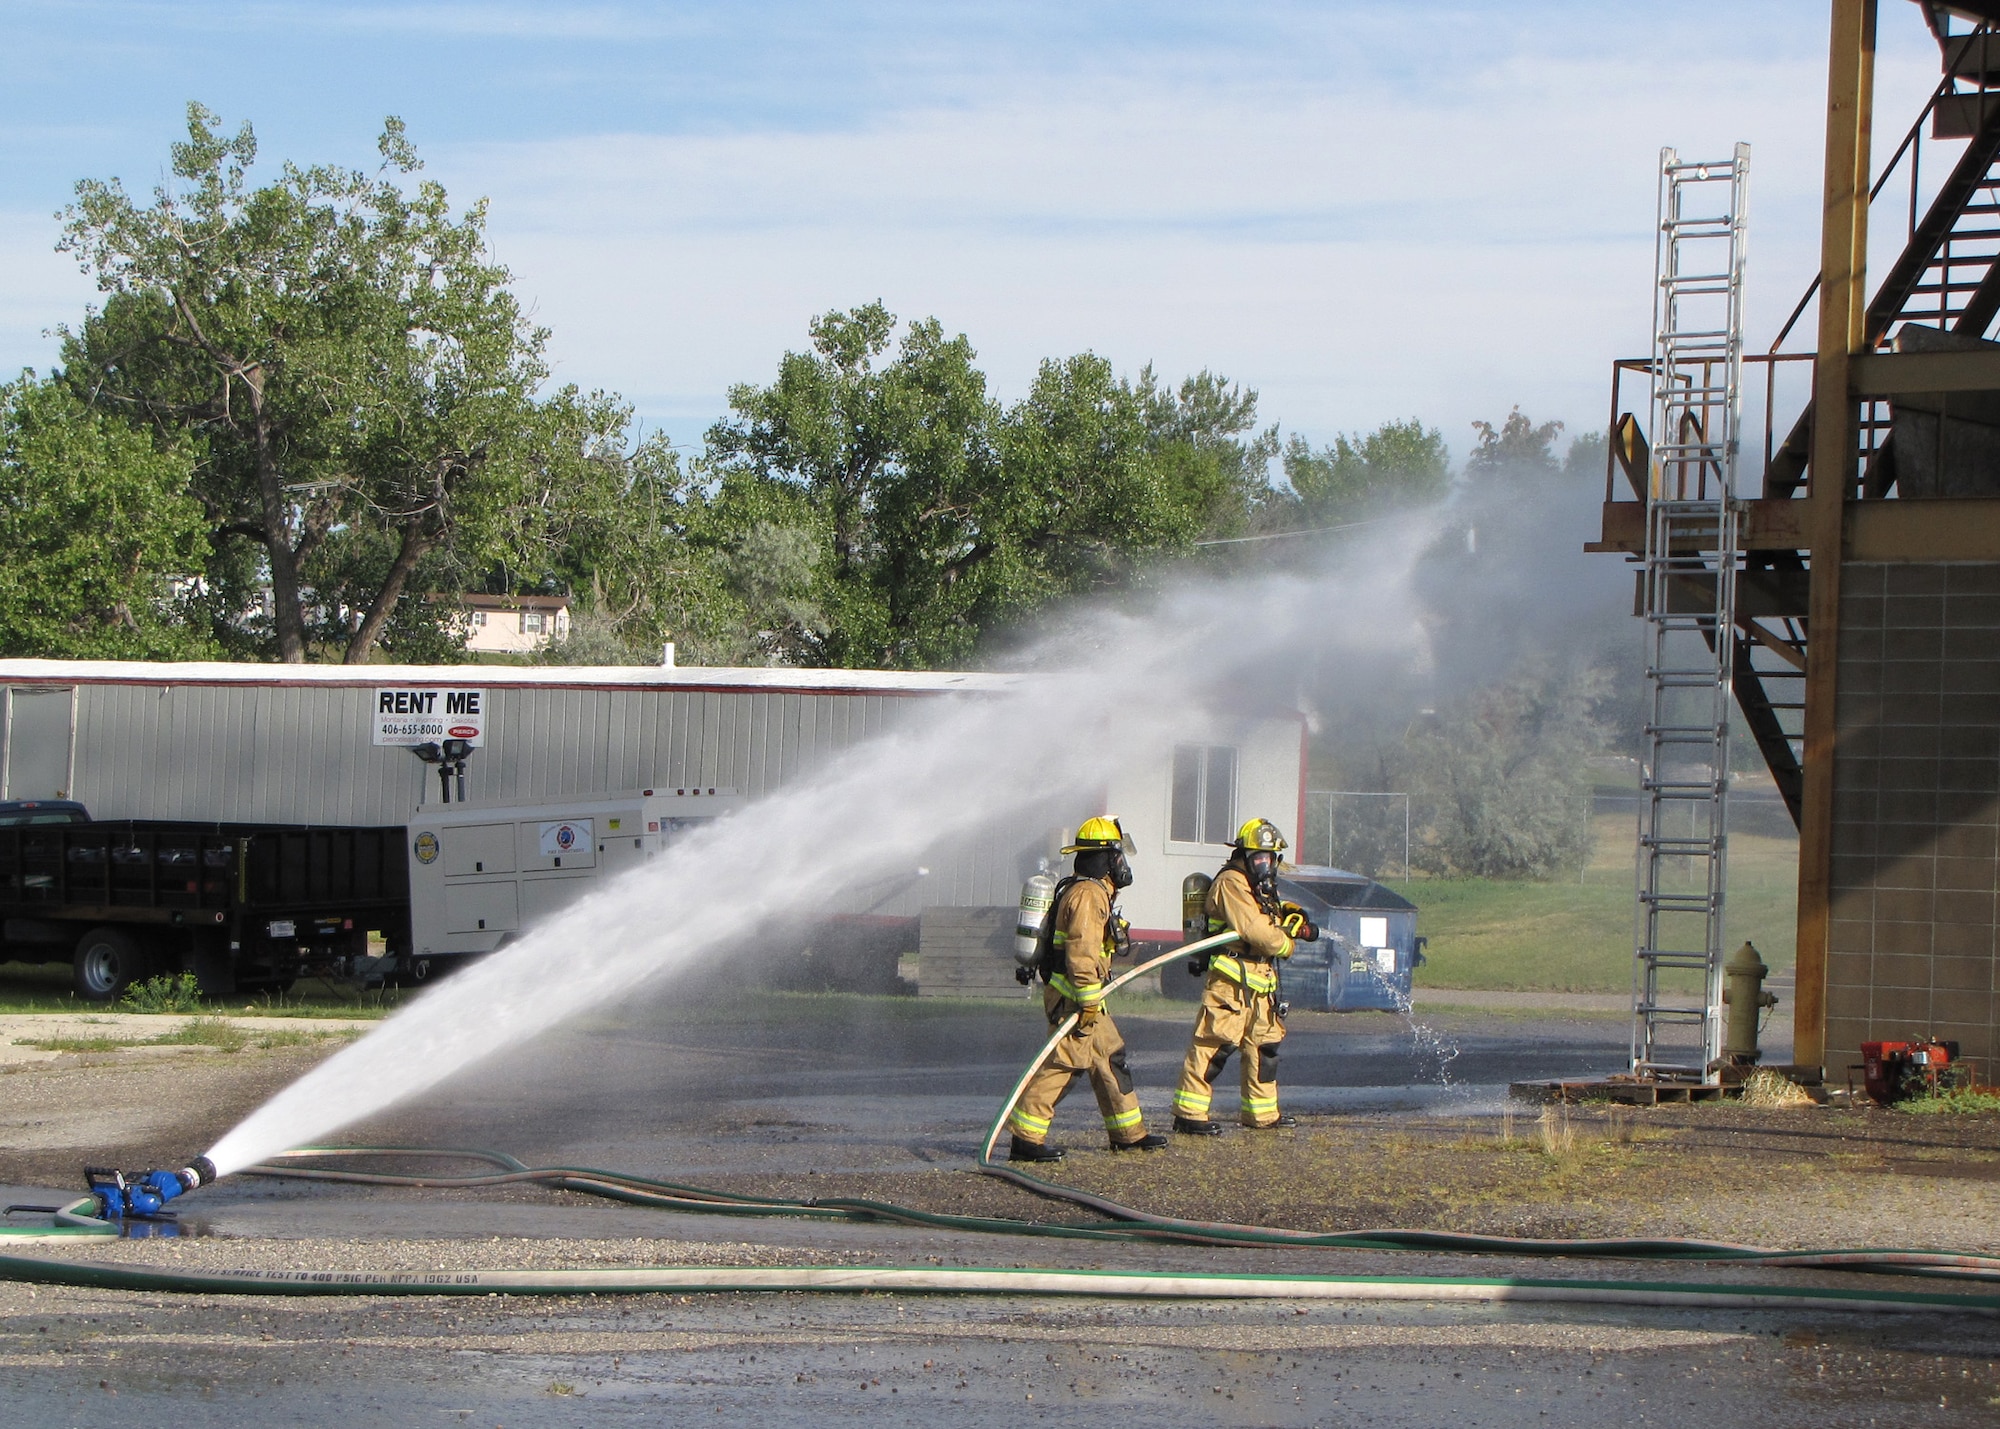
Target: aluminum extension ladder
{"x": 1688, "y": 601}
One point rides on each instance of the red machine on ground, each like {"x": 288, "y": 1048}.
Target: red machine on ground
{"x": 1897, "y": 1071}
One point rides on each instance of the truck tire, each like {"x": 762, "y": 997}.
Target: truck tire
{"x": 107, "y": 962}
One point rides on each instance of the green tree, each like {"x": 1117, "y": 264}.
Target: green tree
{"x": 935, "y": 514}
{"x": 358, "y": 383}
{"x": 1516, "y": 447}
{"x": 96, "y": 529}
{"x": 1585, "y": 458}
{"x": 1399, "y": 464}
{"x": 1499, "y": 780}
{"x": 1204, "y": 437}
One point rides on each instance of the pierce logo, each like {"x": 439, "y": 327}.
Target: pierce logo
{"x": 464, "y": 731}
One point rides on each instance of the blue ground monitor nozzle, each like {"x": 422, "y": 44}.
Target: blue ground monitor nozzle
{"x": 142, "y": 1195}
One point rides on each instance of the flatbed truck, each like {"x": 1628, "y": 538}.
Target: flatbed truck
{"x": 244, "y": 907}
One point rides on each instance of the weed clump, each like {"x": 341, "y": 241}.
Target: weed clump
{"x": 1555, "y": 1138}
{"x": 1952, "y": 1101}
{"x": 167, "y": 992}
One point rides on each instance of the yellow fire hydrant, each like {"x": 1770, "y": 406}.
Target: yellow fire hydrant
{"x": 1743, "y": 994}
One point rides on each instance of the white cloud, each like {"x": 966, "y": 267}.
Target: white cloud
{"x": 1358, "y": 255}
{"x": 1363, "y": 220}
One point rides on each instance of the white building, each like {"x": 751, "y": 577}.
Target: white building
{"x": 514, "y": 624}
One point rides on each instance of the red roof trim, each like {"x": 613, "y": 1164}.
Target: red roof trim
{"x": 665, "y": 687}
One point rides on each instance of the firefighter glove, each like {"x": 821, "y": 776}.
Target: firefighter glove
{"x": 1297, "y": 924}
{"x": 1086, "y": 1018}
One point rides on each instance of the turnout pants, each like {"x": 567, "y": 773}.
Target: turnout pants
{"x": 1232, "y": 1019}
{"x": 1098, "y": 1055}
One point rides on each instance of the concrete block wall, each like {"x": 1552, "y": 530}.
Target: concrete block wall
{"x": 1916, "y": 840}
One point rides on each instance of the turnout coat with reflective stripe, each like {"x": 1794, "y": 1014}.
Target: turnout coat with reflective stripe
{"x": 1232, "y": 904}
{"x": 1083, "y": 941}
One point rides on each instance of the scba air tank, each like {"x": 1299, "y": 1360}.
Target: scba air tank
{"x": 1194, "y": 907}
{"x": 1038, "y": 895}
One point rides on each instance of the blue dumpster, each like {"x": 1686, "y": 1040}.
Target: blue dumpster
{"x": 1367, "y": 950}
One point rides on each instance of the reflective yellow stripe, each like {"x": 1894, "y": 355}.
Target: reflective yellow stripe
{"x": 1193, "y": 1105}
{"x": 1087, "y": 994}
{"x": 1033, "y": 1127}
{"x": 1258, "y": 1106}
{"x": 1257, "y": 977}
{"x": 1060, "y": 937}
{"x": 1119, "y": 1120}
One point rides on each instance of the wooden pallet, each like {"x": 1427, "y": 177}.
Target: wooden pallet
{"x": 1624, "y": 1091}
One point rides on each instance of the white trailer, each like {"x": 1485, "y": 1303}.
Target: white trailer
{"x": 333, "y": 744}
{"x": 480, "y": 873}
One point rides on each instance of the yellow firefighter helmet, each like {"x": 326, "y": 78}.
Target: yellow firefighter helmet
{"x": 1260, "y": 836}
{"x": 1104, "y": 831}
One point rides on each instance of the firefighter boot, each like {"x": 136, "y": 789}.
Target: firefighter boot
{"x": 1285, "y": 1119}
{"x": 1019, "y": 1150}
{"x": 1151, "y": 1141}
{"x": 1188, "y": 1126}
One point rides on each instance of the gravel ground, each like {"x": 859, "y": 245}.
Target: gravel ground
{"x": 73, "y": 1356}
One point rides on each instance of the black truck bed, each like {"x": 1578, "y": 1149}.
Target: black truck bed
{"x": 149, "y": 871}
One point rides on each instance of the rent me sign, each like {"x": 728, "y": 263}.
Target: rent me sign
{"x": 408, "y": 715}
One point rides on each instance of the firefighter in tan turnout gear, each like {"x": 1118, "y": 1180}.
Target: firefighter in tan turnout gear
{"x": 1084, "y": 932}
{"x": 1240, "y": 1011}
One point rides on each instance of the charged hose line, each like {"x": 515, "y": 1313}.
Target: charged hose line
{"x": 669, "y": 1195}
{"x": 1124, "y": 1224}
{"x": 984, "y": 1280}
{"x": 1908, "y": 1262}
{"x": 71, "y": 1220}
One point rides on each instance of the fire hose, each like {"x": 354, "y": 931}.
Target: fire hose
{"x": 1123, "y": 1223}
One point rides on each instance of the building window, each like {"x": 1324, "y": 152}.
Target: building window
{"x": 478, "y": 618}
{"x": 532, "y": 622}
{"x": 1204, "y": 802}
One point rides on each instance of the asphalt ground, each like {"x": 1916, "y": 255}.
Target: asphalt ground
{"x": 860, "y": 1095}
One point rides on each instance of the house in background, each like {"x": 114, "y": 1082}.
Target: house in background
{"x": 514, "y": 624}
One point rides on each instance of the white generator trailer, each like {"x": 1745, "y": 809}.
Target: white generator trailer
{"x": 482, "y": 873}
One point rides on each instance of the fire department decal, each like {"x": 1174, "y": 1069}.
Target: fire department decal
{"x": 427, "y": 847}
{"x": 565, "y": 836}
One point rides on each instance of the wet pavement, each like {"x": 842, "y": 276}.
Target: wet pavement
{"x": 855, "y": 1089}
{"x": 808, "y": 1360}
{"x": 878, "y": 1085}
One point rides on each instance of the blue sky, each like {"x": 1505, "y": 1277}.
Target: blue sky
{"x": 1366, "y": 211}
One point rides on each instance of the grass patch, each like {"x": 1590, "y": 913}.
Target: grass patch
{"x": 1575, "y": 934}
{"x": 203, "y": 1032}
{"x": 45, "y": 987}
{"x": 315, "y": 997}
{"x": 292, "y": 1037}
{"x": 215, "y": 1033}
{"x": 74, "y": 1044}
{"x": 40, "y": 987}
{"x": 1953, "y": 1101}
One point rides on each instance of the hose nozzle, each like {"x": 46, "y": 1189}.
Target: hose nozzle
{"x": 143, "y": 1194}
